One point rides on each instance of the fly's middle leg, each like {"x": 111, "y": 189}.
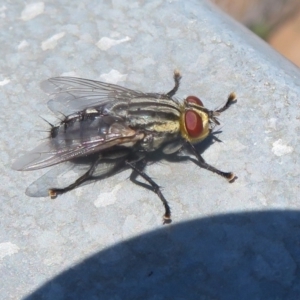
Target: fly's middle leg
{"x": 154, "y": 187}
{"x": 203, "y": 164}
{"x": 177, "y": 78}
{"x": 53, "y": 192}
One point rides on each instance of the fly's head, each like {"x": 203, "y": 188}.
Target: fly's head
{"x": 196, "y": 121}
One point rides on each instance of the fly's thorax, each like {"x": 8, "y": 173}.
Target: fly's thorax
{"x": 194, "y": 120}
{"x": 150, "y": 109}
{"x": 157, "y": 117}
{"x": 154, "y": 140}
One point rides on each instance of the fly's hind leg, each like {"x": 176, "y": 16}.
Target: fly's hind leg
{"x": 177, "y": 78}
{"x": 53, "y": 192}
{"x": 153, "y": 187}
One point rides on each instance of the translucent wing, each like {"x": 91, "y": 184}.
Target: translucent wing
{"x": 71, "y": 94}
{"x": 58, "y": 176}
{"x": 79, "y": 143}
{"x": 64, "y": 174}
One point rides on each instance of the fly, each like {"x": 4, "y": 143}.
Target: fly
{"x": 109, "y": 128}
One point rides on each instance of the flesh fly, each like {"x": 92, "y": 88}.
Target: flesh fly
{"x": 108, "y": 128}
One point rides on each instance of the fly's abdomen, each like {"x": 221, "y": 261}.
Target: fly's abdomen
{"x": 83, "y": 126}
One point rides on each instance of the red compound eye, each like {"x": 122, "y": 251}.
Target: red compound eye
{"x": 193, "y": 124}
{"x": 194, "y": 99}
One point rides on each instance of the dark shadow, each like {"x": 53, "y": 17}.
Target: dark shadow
{"x": 106, "y": 168}
{"x": 254, "y": 255}
{"x": 184, "y": 154}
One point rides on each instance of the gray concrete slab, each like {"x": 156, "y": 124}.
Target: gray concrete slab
{"x": 219, "y": 245}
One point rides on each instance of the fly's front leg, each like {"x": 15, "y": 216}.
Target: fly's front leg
{"x": 177, "y": 78}
{"x": 231, "y": 99}
{"x": 202, "y": 163}
{"x": 53, "y": 192}
{"x": 154, "y": 187}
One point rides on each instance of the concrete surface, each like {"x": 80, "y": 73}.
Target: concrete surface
{"x": 106, "y": 240}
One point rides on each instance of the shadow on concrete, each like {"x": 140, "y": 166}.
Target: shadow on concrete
{"x": 253, "y": 255}
{"x": 59, "y": 177}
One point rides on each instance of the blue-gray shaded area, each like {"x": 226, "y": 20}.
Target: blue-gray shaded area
{"x": 233, "y": 256}
{"x": 138, "y": 45}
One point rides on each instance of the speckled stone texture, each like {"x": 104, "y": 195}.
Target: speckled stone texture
{"x": 106, "y": 240}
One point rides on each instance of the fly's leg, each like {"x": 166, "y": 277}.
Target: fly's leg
{"x": 202, "y": 163}
{"x": 177, "y": 78}
{"x": 231, "y": 99}
{"x": 140, "y": 165}
{"x": 53, "y": 192}
{"x": 154, "y": 187}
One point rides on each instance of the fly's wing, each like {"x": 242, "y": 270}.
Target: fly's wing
{"x": 59, "y": 176}
{"x": 80, "y": 143}
{"x": 65, "y": 174}
{"x": 71, "y": 94}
